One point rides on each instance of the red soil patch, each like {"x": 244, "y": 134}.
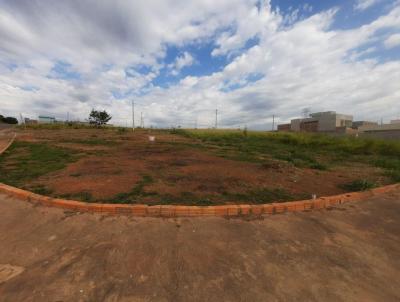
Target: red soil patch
{"x": 176, "y": 169}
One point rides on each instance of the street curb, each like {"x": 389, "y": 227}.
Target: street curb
{"x": 142, "y": 210}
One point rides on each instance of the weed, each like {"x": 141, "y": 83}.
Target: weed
{"x": 263, "y": 195}
{"x": 25, "y": 161}
{"x": 305, "y": 150}
{"x": 358, "y": 185}
{"x": 94, "y": 141}
{"x": 122, "y": 130}
{"x": 40, "y": 189}
{"x": 81, "y": 196}
{"x": 137, "y": 192}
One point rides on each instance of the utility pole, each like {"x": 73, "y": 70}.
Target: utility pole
{"x": 133, "y": 115}
{"x": 273, "y": 122}
{"x": 216, "y": 118}
{"x": 67, "y": 116}
{"x": 141, "y": 120}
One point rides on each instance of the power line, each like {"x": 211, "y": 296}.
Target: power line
{"x": 273, "y": 122}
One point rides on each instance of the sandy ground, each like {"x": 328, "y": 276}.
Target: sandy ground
{"x": 349, "y": 253}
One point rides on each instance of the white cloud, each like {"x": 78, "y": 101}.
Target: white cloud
{"x": 392, "y": 41}
{"x": 306, "y": 64}
{"x": 184, "y": 60}
{"x": 361, "y": 5}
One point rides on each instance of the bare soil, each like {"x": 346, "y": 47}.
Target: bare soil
{"x": 350, "y": 253}
{"x": 176, "y": 168}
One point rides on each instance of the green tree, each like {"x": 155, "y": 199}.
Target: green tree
{"x": 8, "y": 120}
{"x": 99, "y": 118}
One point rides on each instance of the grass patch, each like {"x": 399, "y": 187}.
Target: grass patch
{"x": 358, "y": 185}
{"x": 93, "y": 141}
{"x": 263, "y": 195}
{"x": 135, "y": 194}
{"x": 185, "y": 198}
{"x": 305, "y": 150}
{"x": 25, "y": 161}
{"x": 40, "y": 189}
{"x": 81, "y": 196}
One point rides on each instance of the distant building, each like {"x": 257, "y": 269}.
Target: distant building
{"x": 46, "y": 119}
{"x": 391, "y": 131}
{"x": 284, "y": 127}
{"x": 395, "y": 121}
{"x": 29, "y": 121}
{"x": 358, "y": 124}
{"x": 328, "y": 121}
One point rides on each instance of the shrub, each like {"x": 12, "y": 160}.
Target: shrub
{"x": 358, "y": 185}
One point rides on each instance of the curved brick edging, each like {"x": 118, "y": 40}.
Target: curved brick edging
{"x": 191, "y": 211}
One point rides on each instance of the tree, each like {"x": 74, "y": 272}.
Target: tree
{"x": 99, "y": 118}
{"x": 8, "y": 120}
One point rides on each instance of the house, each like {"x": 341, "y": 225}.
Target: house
{"x": 358, "y": 124}
{"x": 29, "y": 121}
{"x": 386, "y": 131}
{"x": 284, "y": 127}
{"x": 328, "y": 121}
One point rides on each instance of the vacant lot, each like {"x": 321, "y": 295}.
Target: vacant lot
{"x": 194, "y": 167}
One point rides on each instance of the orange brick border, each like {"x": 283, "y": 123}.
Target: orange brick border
{"x": 194, "y": 211}
{"x": 191, "y": 211}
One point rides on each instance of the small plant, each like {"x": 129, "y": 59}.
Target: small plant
{"x": 41, "y": 189}
{"x": 121, "y": 130}
{"x": 358, "y": 185}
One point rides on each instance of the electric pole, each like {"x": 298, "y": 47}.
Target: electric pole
{"x": 216, "y": 118}
{"x": 273, "y": 122}
{"x": 141, "y": 120}
{"x": 133, "y": 115}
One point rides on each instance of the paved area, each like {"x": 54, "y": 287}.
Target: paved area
{"x": 349, "y": 253}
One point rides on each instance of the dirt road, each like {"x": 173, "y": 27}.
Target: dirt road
{"x": 349, "y": 253}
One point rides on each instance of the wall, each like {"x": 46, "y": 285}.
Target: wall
{"x": 387, "y": 134}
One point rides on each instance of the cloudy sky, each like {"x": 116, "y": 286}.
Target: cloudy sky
{"x": 180, "y": 60}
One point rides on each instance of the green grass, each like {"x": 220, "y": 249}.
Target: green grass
{"x": 25, "y": 161}
{"x": 81, "y": 196}
{"x": 40, "y": 189}
{"x": 93, "y": 141}
{"x": 359, "y": 185}
{"x": 135, "y": 194}
{"x": 185, "y": 198}
{"x": 305, "y": 150}
{"x": 263, "y": 195}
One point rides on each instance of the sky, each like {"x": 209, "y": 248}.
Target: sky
{"x": 181, "y": 60}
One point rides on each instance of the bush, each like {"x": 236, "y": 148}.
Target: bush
{"x": 358, "y": 185}
{"x": 8, "y": 120}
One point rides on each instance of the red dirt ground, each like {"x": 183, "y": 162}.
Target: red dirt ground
{"x": 349, "y": 253}
{"x": 176, "y": 169}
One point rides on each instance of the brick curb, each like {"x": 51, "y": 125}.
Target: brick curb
{"x": 194, "y": 211}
